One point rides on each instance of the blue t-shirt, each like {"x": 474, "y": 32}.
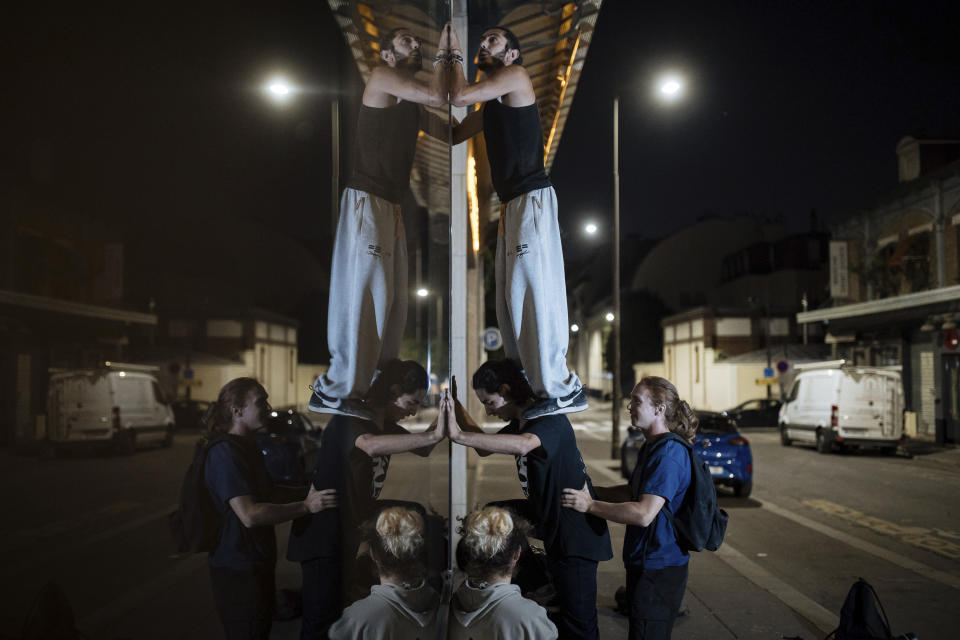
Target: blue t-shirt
{"x": 664, "y": 472}
{"x": 228, "y": 473}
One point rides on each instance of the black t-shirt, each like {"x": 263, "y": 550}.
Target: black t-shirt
{"x": 514, "y": 139}
{"x": 358, "y": 479}
{"x": 237, "y": 469}
{"x": 385, "y": 145}
{"x": 544, "y": 473}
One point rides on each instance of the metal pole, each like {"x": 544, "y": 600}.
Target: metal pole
{"x": 335, "y": 163}
{"x": 615, "y": 406}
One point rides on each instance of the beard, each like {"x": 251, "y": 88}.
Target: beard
{"x": 490, "y": 61}
{"x": 413, "y": 62}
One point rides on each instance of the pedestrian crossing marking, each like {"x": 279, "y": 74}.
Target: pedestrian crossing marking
{"x": 929, "y": 539}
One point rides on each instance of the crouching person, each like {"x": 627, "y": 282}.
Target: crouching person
{"x": 403, "y": 605}
{"x": 242, "y": 564}
{"x": 486, "y": 605}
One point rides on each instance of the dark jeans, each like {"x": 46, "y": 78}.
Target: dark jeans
{"x": 244, "y": 601}
{"x": 575, "y": 580}
{"x": 322, "y": 596}
{"x": 654, "y": 598}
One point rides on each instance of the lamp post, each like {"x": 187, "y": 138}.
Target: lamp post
{"x": 670, "y": 88}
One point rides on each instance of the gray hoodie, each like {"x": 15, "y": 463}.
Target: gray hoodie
{"x": 497, "y": 612}
{"x": 390, "y": 611}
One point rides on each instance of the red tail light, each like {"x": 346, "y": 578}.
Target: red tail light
{"x": 749, "y": 467}
{"x": 116, "y": 417}
{"x": 740, "y": 441}
{"x": 834, "y": 416}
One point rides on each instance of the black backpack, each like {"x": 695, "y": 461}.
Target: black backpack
{"x": 862, "y": 616}
{"x": 195, "y": 525}
{"x": 698, "y": 522}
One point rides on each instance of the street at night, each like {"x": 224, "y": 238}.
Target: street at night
{"x": 96, "y": 524}
{"x": 249, "y": 252}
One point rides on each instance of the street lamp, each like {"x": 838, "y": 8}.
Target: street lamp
{"x": 422, "y": 293}
{"x": 670, "y": 88}
{"x": 590, "y": 228}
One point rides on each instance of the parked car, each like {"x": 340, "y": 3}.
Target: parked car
{"x": 834, "y": 405}
{"x": 289, "y": 443}
{"x": 118, "y": 405}
{"x": 760, "y": 412}
{"x": 188, "y": 414}
{"x": 718, "y": 443}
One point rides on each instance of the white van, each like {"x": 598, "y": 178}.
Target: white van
{"x": 119, "y": 405}
{"x": 834, "y": 404}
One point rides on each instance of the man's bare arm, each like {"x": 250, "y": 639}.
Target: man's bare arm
{"x": 640, "y": 513}
{"x": 435, "y": 126}
{"x": 512, "y": 84}
{"x": 259, "y": 514}
{"x": 387, "y": 84}
{"x": 383, "y": 445}
{"x": 471, "y": 126}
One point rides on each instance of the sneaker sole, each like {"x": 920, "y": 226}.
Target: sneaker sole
{"x": 337, "y": 412}
{"x": 560, "y": 411}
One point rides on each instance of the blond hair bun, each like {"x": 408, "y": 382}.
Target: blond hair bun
{"x": 400, "y": 530}
{"x": 487, "y": 531}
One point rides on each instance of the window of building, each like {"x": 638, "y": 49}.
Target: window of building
{"x": 696, "y": 363}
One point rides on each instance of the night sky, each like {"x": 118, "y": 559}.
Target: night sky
{"x": 793, "y": 107}
{"x": 149, "y": 116}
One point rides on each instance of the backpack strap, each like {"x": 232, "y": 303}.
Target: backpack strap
{"x": 661, "y": 441}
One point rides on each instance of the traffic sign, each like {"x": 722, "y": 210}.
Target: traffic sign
{"x": 768, "y": 372}
{"x": 782, "y": 366}
{"x": 766, "y": 381}
{"x": 188, "y": 374}
{"x": 492, "y": 339}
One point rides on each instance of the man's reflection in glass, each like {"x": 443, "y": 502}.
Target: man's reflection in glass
{"x": 368, "y": 275}
{"x": 403, "y": 605}
{"x": 354, "y": 459}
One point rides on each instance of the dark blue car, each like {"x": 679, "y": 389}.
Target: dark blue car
{"x": 718, "y": 443}
{"x": 289, "y": 444}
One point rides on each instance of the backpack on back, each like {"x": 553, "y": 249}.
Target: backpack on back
{"x": 195, "y": 525}
{"x": 698, "y": 522}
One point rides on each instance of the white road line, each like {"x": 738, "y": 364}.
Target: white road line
{"x": 825, "y": 620}
{"x": 867, "y": 547}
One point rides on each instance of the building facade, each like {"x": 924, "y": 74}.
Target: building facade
{"x": 895, "y": 285}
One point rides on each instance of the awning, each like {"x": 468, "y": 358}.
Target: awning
{"x": 54, "y": 305}
{"x": 909, "y": 301}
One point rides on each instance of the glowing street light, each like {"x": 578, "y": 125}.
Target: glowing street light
{"x": 574, "y": 328}
{"x": 422, "y": 293}
{"x": 670, "y": 87}
{"x": 590, "y": 228}
{"x": 279, "y": 89}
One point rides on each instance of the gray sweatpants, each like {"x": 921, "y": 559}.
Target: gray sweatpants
{"x": 532, "y": 292}
{"x": 367, "y": 311}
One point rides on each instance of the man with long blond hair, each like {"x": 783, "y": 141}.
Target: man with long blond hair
{"x": 656, "y": 564}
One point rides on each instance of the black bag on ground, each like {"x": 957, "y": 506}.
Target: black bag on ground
{"x": 195, "y": 525}
{"x": 698, "y": 521}
{"x": 862, "y": 616}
